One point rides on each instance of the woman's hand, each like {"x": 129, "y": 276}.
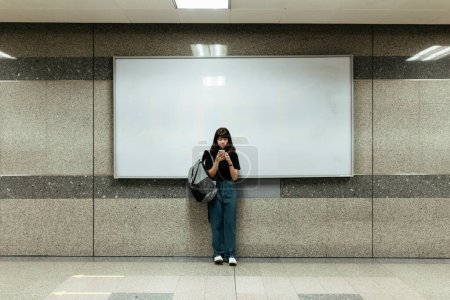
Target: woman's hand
{"x": 220, "y": 156}
{"x": 227, "y": 157}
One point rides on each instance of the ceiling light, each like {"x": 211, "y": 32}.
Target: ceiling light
{"x": 202, "y": 4}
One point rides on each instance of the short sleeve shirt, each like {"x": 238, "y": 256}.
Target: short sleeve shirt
{"x": 224, "y": 170}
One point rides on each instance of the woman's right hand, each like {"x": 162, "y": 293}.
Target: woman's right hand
{"x": 220, "y": 157}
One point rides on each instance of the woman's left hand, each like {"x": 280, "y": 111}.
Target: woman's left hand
{"x": 227, "y": 157}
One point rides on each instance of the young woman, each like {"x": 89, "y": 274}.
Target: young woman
{"x": 222, "y": 209}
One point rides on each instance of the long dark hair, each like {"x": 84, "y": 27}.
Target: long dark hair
{"x": 224, "y": 133}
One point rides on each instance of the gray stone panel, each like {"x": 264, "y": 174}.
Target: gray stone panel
{"x": 48, "y": 227}
{"x": 46, "y": 128}
{"x": 103, "y": 128}
{"x": 349, "y": 227}
{"x": 282, "y": 228}
{"x": 362, "y": 123}
{"x": 69, "y": 128}
{"x": 140, "y": 227}
{"x": 411, "y": 227}
{"x": 23, "y": 148}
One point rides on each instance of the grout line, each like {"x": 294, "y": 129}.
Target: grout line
{"x": 93, "y": 141}
{"x": 234, "y": 276}
{"x": 372, "y": 139}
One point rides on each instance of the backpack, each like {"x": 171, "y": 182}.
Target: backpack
{"x": 201, "y": 185}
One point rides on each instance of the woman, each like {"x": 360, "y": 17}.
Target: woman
{"x": 222, "y": 209}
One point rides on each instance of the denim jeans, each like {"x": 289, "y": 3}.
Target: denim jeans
{"x": 222, "y": 214}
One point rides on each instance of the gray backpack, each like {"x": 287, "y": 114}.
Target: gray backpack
{"x": 202, "y": 186}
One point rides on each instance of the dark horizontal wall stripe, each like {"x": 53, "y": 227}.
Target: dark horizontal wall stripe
{"x": 327, "y": 187}
{"x": 70, "y": 68}
{"x": 45, "y": 187}
{"x": 396, "y": 67}
{"x": 80, "y": 68}
{"x": 103, "y": 68}
{"x": 108, "y": 187}
{"x": 46, "y": 68}
{"x": 362, "y": 67}
{"x": 61, "y": 187}
{"x": 411, "y": 186}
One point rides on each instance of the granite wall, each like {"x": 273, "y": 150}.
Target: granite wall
{"x": 57, "y": 192}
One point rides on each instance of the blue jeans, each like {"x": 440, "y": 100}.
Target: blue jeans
{"x": 222, "y": 215}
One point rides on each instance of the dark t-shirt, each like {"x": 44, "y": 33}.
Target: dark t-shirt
{"x": 224, "y": 170}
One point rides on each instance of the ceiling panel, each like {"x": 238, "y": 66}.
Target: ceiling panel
{"x": 313, "y": 4}
{"x": 100, "y": 15}
{"x": 415, "y": 17}
{"x": 147, "y": 4}
{"x": 203, "y": 15}
{"x": 306, "y": 16}
{"x": 374, "y": 4}
{"x": 152, "y": 15}
{"x": 359, "y": 16}
{"x": 242, "y": 11}
{"x": 258, "y": 4}
{"x": 255, "y": 16}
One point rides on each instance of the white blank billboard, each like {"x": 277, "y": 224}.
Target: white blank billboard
{"x": 288, "y": 116}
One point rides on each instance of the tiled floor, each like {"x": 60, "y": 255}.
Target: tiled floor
{"x": 142, "y": 278}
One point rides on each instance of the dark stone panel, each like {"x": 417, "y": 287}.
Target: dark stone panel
{"x": 60, "y": 187}
{"x": 108, "y": 187}
{"x": 46, "y": 68}
{"x": 362, "y": 67}
{"x": 241, "y": 39}
{"x": 396, "y": 67}
{"x": 411, "y": 186}
{"x": 103, "y": 68}
{"x": 407, "y": 39}
{"x": 327, "y": 187}
{"x": 45, "y": 187}
{"x": 80, "y": 68}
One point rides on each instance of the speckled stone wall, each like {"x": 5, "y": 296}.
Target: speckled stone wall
{"x": 58, "y": 195}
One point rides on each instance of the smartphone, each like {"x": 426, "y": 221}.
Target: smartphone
{"x": 222, "y": 152}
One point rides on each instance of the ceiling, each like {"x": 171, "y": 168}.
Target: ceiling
{"x": 242, "y": 11}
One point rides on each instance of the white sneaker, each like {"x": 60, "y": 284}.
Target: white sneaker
{"x": 218, "y": 260}
{"x": 232, "y": 261}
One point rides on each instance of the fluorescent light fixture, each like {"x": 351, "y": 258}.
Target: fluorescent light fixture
{"x": 214, "y": 81}
{"x": 209, "y": 50}
{"x": 202, "y": 4}
{"x": 5, "y": 55}
{"x": 431, "y": 53}
{"x": 444, "y": 51}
